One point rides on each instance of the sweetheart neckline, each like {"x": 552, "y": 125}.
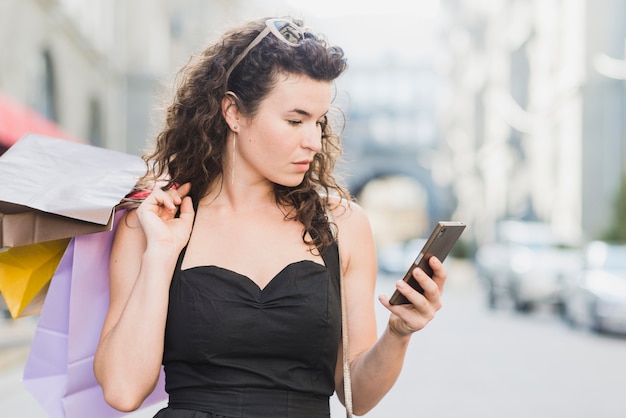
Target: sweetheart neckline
{"x": 247, "y": 278}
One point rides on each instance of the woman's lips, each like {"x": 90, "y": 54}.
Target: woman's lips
{"x": 303, "y": 165}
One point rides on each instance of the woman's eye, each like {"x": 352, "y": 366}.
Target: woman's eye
{"x": 295, "y": 122}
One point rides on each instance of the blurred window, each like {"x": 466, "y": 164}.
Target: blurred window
{"x": 45, "y": 96}
{"x": 95, "y": 134}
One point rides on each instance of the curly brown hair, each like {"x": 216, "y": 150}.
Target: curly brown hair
{"x": 191, "y": 146}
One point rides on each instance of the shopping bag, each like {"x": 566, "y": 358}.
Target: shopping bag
{"x": 53, "y": 189}
{"x": 59, "y": 369}
{"x": 25, "y": 273}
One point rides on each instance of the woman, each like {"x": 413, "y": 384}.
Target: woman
{"x": 226, "y": 275}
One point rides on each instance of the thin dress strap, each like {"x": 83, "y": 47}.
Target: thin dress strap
{"x": 181, "y": 256}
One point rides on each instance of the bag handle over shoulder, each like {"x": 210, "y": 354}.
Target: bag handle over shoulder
{"x": 347, "y": 379}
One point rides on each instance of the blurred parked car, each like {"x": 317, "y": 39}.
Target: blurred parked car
{"x": 596, "y": 298}
{"x": 526, "y": 264}
{"x": 396, "y": 258}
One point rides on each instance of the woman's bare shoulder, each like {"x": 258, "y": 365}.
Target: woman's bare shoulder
{"x": 346, "y": 210}
{"x": 351, "y": 221}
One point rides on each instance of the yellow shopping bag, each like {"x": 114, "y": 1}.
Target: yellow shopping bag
{"x": 25, "y": 273}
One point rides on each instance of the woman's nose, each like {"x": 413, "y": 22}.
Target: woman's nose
{"x": 313, "y": 138}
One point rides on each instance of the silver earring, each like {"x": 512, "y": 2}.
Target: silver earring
{"x": 232, "y": 168}
{"x": 235, "y": 127}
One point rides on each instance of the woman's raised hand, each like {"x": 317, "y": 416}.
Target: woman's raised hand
{"x": 408, "y": 318}
{"x": 157, "y": 216}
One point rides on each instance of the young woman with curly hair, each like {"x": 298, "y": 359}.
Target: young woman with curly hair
{"x": 229, "y": 275}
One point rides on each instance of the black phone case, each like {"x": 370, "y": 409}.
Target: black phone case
{"x": 439, "y": 244}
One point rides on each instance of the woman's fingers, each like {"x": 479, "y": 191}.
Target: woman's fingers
{"x": 408, "y": 318}
{"x": 157, "y": 215}
{"x": 176, "y": 196}
{"x": 439, "y": 272}
{"x": 186, "y": 209}
{"x": 165, "y": 203}
{"x": 183, "y": 190}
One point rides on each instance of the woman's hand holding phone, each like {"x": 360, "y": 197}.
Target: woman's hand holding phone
{"x": 410, "y": 317}
{"x": 418, "y": 295}
{"x": 439, "y": 244}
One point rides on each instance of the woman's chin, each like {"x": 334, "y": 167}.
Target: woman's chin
{"x": 290, "y": 182}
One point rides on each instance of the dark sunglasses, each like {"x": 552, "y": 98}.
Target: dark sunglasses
{"x": 284, "y": 30}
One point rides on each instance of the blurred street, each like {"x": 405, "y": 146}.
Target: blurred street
{"x": 470, "y": 362}
{"x": 505, "y": 114}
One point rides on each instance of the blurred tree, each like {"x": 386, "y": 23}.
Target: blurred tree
{"x": 617, "y": 229}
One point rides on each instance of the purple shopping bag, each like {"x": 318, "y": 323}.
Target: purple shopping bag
{"x": 59, "y": 370}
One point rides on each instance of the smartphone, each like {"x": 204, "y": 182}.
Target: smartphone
{"x": 439, "y": 244}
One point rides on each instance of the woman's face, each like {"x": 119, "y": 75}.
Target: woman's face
{"x": 280, "y": 141}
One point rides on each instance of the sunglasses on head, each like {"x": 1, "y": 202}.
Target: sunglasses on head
{"x": 284, "y": 30}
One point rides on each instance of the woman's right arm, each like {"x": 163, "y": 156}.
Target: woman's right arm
{"x": 143, "y": 257}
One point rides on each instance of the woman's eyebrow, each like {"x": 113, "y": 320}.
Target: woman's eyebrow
{"x": 300, "y": 112}
{"x": 305, "y": 112}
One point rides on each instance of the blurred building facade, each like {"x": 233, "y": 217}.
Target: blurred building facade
{"x": 516, "y": 107}
{"x": 98, "y": 67}
{"x": 392, "y": 140}
{"x": 533, "y": 112}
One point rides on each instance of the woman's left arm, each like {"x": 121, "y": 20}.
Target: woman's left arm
{"x": 376, "y": 362}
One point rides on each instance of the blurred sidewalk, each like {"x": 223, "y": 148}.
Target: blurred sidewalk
{"x": 15, "y": 338}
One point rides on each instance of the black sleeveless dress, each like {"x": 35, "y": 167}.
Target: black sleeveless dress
{"x": 235, "y": 350}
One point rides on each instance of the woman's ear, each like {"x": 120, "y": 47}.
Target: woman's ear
{"x": 230, "y": 110}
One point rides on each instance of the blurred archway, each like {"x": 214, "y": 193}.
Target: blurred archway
{"x": 397, "y": 206}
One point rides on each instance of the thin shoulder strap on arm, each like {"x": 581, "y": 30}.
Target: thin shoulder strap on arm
{"x": 347, "y": 380}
